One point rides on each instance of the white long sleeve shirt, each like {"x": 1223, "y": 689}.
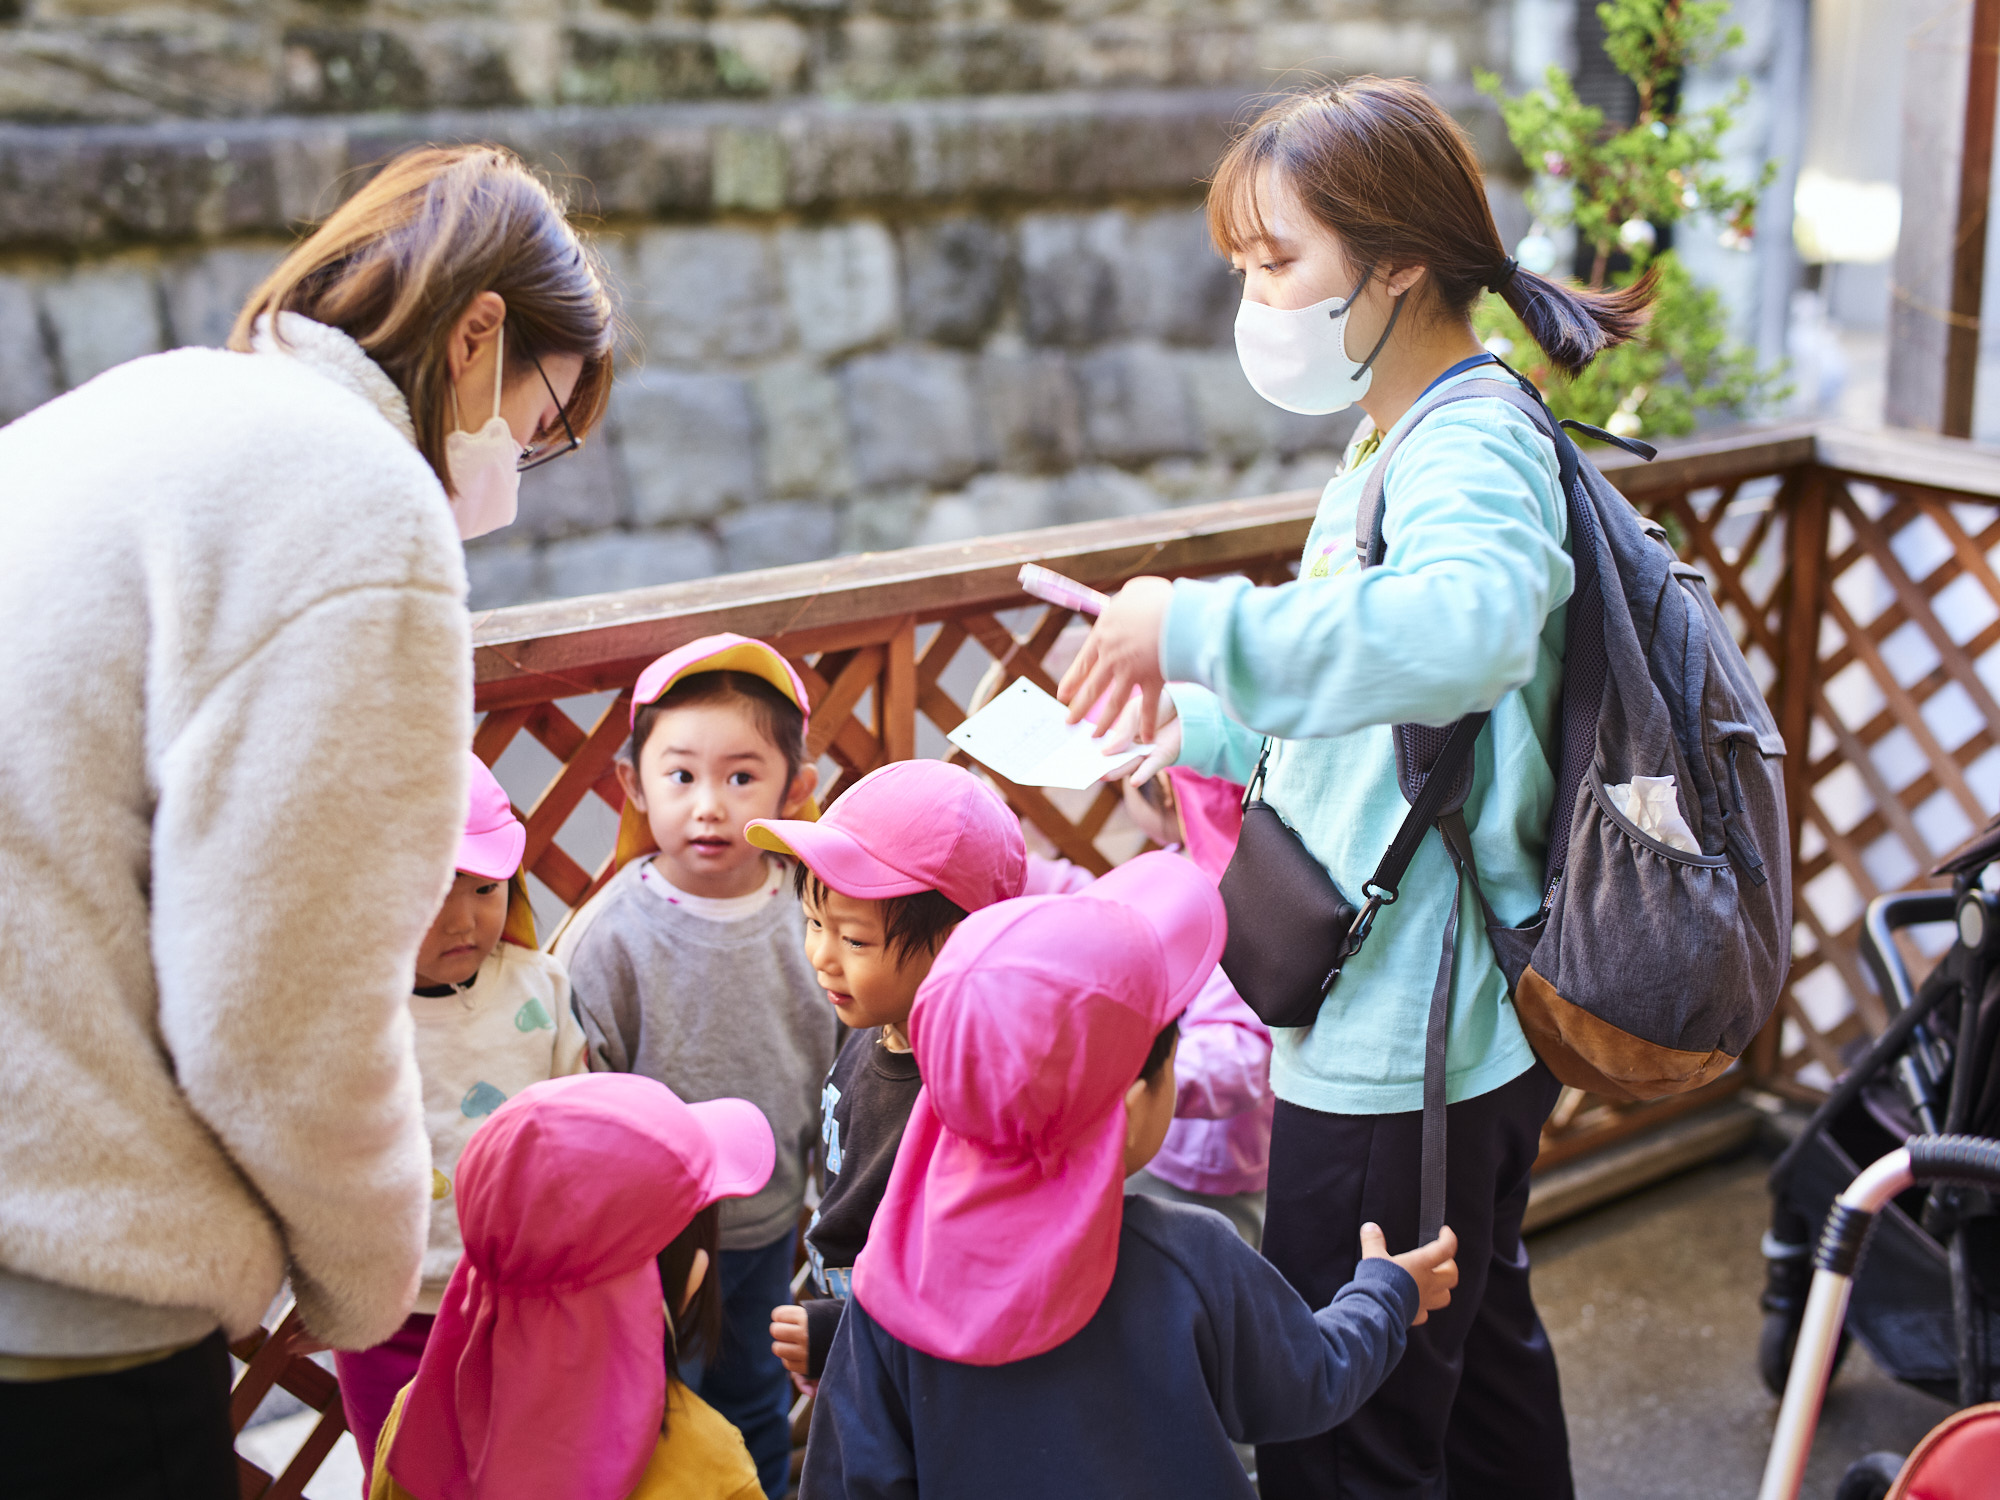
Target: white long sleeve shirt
{"x": 478, "y": 1047}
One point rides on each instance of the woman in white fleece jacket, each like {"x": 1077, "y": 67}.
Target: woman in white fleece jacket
{"x": 237, "y": 683}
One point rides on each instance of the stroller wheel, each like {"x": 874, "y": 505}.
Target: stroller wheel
{"x": 1775, "y": 1344}
{"x": 1870, "y": 1478}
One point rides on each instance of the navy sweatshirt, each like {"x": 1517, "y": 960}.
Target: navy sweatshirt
{"x": 863, "y": 1111}
{"x": 1198, "y": 1343}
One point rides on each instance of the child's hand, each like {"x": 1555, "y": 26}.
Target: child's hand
{"x": 1430, "y": 1266}
{"x": 788, "y": 1338}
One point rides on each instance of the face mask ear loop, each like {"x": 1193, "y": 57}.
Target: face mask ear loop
{"x": 1347, "y": 302}
{"x": 501, "y": 363}
{"x": 1387, "y": 329}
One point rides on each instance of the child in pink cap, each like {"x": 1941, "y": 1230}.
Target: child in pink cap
{"x": 1019, "y": 1325}
{"x": 491, "y": 1015}
{"x": 895, "y": 864}
{"x": 689, "y": 969}
{"x": 1218, "y": 1152}
{"x": 588, "y": 1208}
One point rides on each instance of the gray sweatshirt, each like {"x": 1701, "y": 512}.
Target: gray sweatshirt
{"x": 714, "y": 1010}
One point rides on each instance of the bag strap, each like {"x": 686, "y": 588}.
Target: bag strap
{"x": 1519, "y": 393}
{"x": 1381, "y": 888}
{"x": 1369, "y": 546}
{"x": 1440, "y": 790}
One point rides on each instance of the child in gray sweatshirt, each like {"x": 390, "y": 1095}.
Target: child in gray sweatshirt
{"x": 690, "y": 967}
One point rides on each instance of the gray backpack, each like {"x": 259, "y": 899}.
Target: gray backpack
{"x": 1649, "y": 967}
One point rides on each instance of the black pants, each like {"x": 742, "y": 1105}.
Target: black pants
{"x": 1473, "y": 1411}
{"x": 160, "y": 1432}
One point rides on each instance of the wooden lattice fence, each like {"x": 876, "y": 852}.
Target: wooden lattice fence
{"x": 1858, "y": 570}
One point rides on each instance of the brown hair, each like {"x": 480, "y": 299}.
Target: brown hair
{"x": 1160, "y": 1051}
{"x": 777, "y": 718}
{"x": 912, "y": 924}
{"x": 1377, "y": 162}
{"x": 697, "y": 1328}
{"x": 397, "y": 264}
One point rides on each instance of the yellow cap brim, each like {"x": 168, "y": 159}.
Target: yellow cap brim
{"x": 753, "y": 658}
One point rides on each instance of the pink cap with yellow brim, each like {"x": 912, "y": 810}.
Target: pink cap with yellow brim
{"x": 712, "y": 653}
{"x": 719, "y": 653}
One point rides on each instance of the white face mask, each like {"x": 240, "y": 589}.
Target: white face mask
{"x": 485, "y": 465}
{"x": 1297, "y": 357}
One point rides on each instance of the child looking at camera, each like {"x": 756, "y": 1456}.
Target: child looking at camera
{"x": 1021, "y": 1326}
{"x": 492, "y": 1016}
{"x": 896, "y": 863}
{"x": 589, "y": 1212}
{"x": 688, "y": 968}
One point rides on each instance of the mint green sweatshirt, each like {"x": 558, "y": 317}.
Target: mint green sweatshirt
{"x": 1465, "y": 613}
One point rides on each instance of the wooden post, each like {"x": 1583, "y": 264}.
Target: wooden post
{"x": 1798, "y": 682}
{"x": 1949, "y": 74}
{"x": 897, "y": 708}
{"x": 1968, "y": 257}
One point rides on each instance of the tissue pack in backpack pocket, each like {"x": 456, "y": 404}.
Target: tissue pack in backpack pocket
{"x": 1649, "y": 802}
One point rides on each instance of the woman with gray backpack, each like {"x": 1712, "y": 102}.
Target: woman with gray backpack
{"x": 1515, "y": 813}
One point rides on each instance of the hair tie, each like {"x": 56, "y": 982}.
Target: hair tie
{"x": 1497, "y": 283}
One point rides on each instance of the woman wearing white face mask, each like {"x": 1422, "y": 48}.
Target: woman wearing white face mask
{"x": 232, "y": 784}
{"x": 1357, "y": 219}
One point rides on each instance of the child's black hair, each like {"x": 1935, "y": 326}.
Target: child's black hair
{"x": 778, "y": 719}
{"x": 910, "y": 924}
{"x": 697, "y": 1328}
{"x": 1163, "y": 1048}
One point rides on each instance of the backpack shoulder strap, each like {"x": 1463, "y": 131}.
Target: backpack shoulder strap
{"x": 1421, "y": 750}
{"x": 1369, "y": 546}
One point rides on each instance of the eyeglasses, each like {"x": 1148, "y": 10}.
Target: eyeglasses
{"x": 536, "y": 454}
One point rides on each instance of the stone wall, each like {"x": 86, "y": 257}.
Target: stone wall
{"x": 66, "y": 60}
{"x": 892, "y": 270}
{"x": 848, "y": 327}
{"x": 872, "y": 382}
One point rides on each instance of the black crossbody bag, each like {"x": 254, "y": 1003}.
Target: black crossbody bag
{"x": 1291, "y": 929}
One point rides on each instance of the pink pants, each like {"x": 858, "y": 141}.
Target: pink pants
{"x": 370, "y": 1380}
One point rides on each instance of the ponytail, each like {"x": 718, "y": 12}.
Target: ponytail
{"x": 1380, "y": 165}
{"x": 1572, "y": 324}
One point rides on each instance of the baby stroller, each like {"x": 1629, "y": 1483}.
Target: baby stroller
{"x": 1960, "y": 1458}
{"x": 1926, "y": 1302}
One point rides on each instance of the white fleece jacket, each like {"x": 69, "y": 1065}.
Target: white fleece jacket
{"x": 235, "y": 696}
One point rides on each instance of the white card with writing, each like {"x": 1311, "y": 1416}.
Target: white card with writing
{"x": 1021, "y": 735}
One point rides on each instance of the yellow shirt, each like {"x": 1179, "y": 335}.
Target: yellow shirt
{"x": 701, "y": 1457}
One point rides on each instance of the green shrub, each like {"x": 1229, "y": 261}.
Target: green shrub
{"x": 1614, "y": 186}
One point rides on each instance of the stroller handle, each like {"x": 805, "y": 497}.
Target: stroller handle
{"x": 1960, "y": 1160}
{"x": 1964, "y": 1160}
{"x": 1884, "y": 916}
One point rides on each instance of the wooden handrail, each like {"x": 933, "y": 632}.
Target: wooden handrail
{"x": 525, "y": 653}
{"x": 1968, "y": 470}
{"x": 1718, "y": 458}
{"x": 528, "y": 652}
